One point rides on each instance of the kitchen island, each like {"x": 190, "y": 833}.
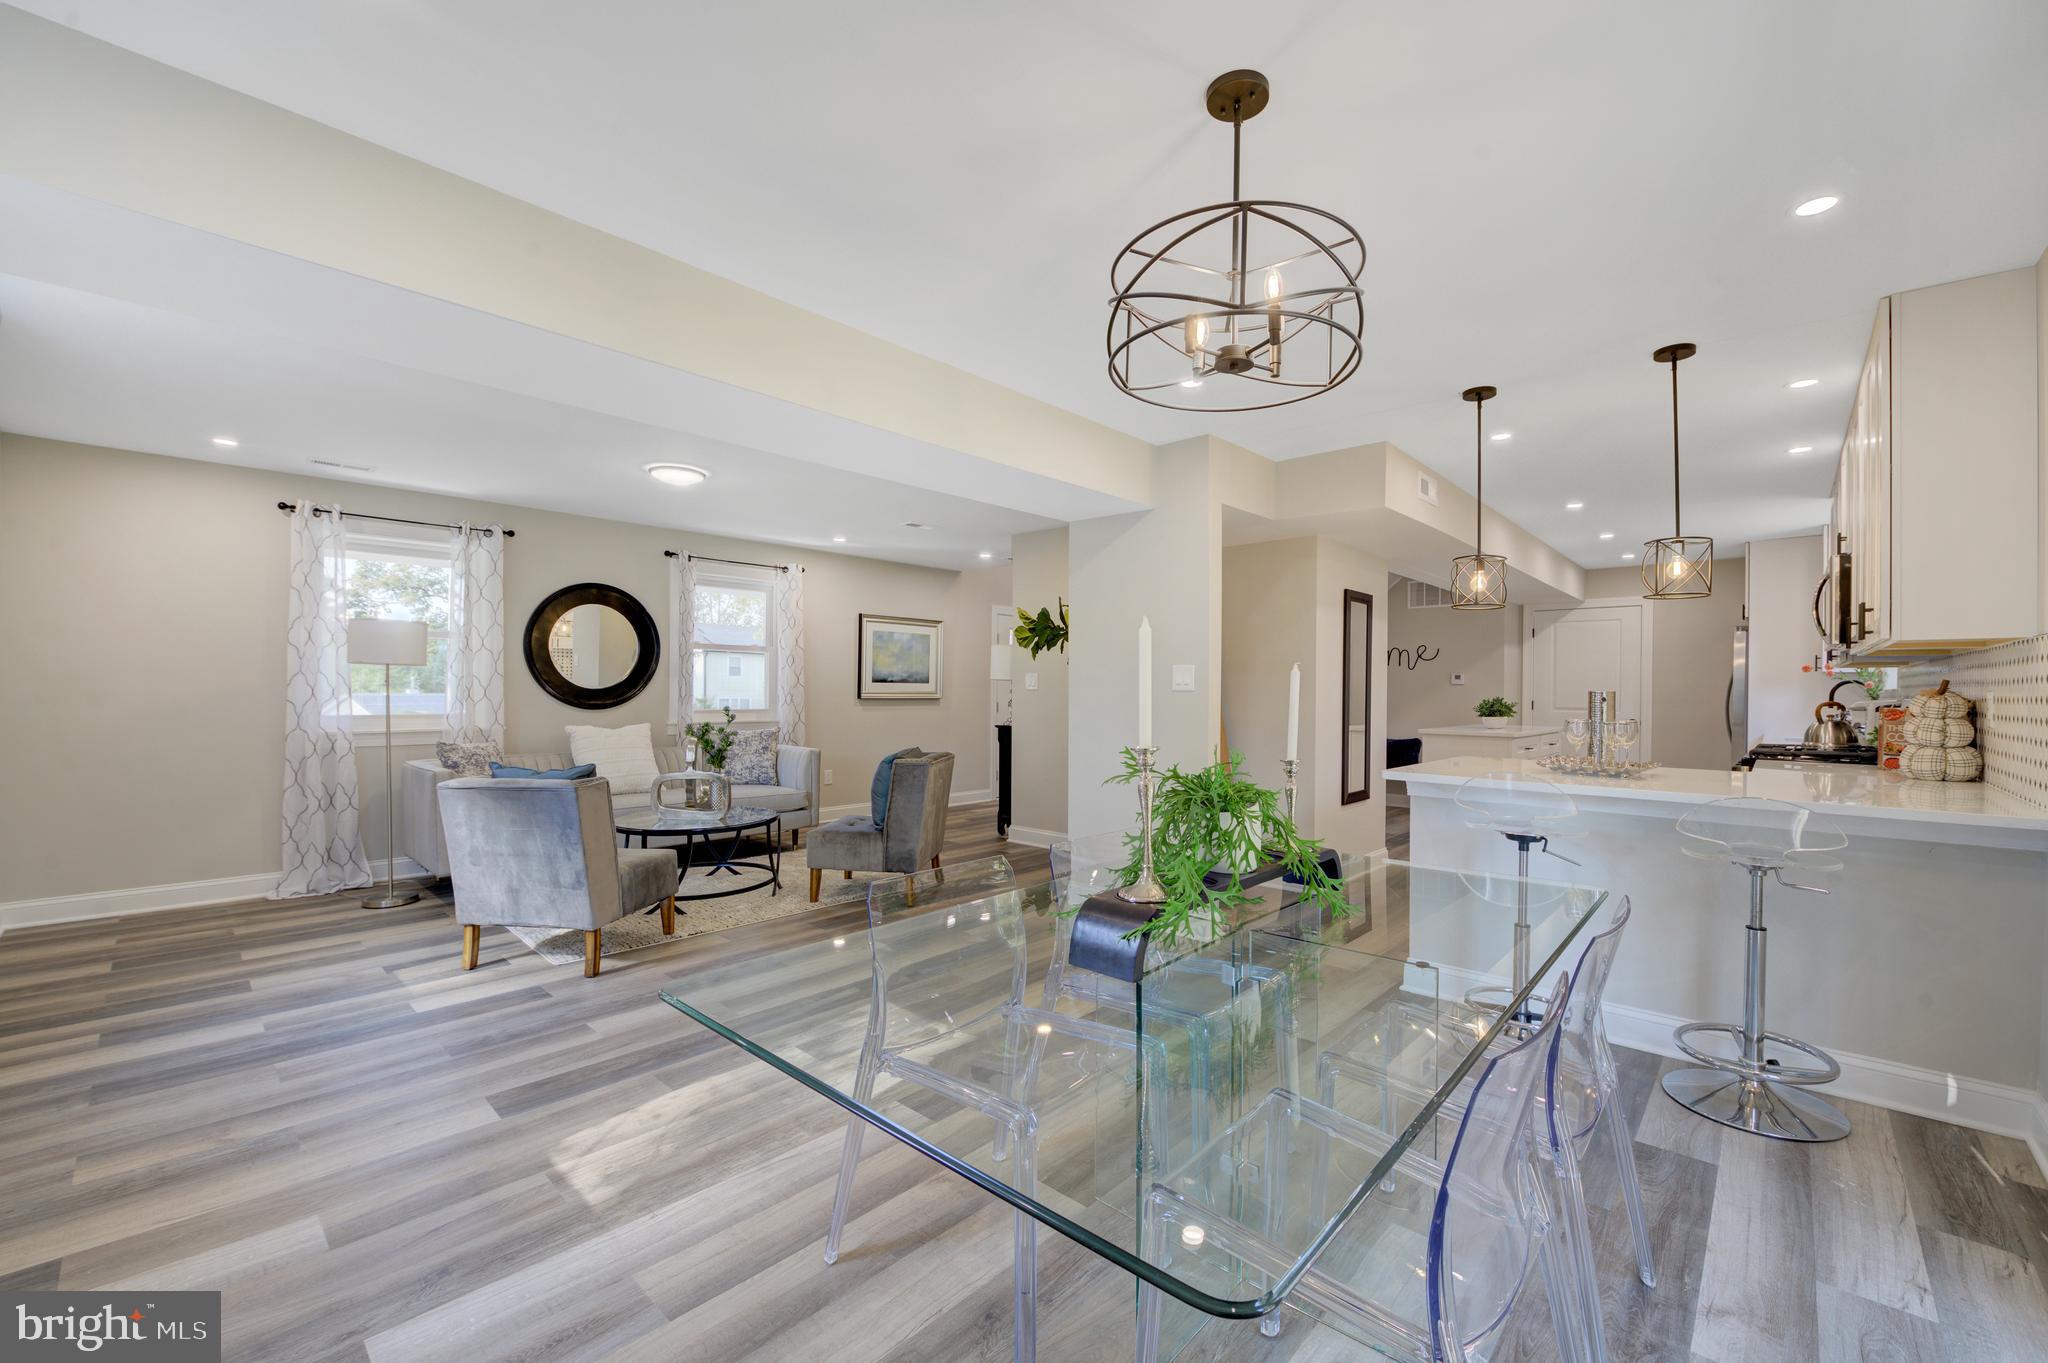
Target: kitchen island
{"x": 1924, "y": 970}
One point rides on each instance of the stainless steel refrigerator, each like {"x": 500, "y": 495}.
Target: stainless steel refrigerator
{"x": 1738, "y": 698}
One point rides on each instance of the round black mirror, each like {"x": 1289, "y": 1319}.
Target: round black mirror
{"x": 592, "y": 646}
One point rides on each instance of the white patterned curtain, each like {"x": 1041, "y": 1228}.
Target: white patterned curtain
{"x": 789, "y": 654}
{"x": 476, "y": 636}
{"x": 682, "y": 638}
{"x": 323, "y": 845}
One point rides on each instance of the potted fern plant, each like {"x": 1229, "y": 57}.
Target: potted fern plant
{"x": 1210, "y": 828}
{"x": 1495, "y": 711}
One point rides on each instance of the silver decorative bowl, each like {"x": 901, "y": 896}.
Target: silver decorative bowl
{"x": 1586, "y": 766}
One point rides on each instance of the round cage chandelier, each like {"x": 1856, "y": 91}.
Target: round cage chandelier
{"x": 1239, "y": 305}
{"x": 1479, "y": 580}
{"x": 1679, "y": 566}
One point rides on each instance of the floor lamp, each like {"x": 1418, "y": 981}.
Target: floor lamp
{"x": 389, "y": 643}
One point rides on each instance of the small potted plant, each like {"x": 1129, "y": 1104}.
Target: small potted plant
{"x": 1495, "y": 711}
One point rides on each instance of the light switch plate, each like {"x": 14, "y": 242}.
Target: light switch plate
{"x": 1030, "y": 681}
{"x": 1457, "y": 679}
{"x": 828, "y": 776}
{"x": 1183, "y": 676}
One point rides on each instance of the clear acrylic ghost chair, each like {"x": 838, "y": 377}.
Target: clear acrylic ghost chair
{"x": 948, "y": 1015}
{"x": 1430, "y": 1265}
{"x": 1755, "y": 1090}
{"x": 1583, "y": 1093}
{"x": 1198, "y": 993}
{"x": 1526, "y": 810}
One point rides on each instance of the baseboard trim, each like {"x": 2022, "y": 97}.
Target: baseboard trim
{"x": 1033, "y": 837}
{"x": 958, "y": 798}
{"x": 188, "y": 894}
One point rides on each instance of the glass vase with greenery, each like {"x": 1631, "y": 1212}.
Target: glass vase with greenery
{"x": 713, "y": 741}
{"x": 1212, "y": 819}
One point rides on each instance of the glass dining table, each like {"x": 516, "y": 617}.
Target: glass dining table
{"x": 956, "y": 1024}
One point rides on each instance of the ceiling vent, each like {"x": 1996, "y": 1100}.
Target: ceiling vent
{"x": 1425, "y": 487}
{"x": 337, "y": 464}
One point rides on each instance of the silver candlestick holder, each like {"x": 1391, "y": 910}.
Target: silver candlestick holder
{"x": 1288, "y": 766}
{"x": 1146, "y": 889}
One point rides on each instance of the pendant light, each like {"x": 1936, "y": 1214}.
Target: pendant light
{"x": 1205, "y": 303}
{"x": 1479, "y": 580}
{"x": 1680, "y": 566}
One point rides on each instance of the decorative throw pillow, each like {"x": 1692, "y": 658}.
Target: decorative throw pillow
{"x": 878, "y": 790}
{"x": 750, "y": 761}
{"x": 583, "y": 772}
{"x": 624, "y": 757}
{"x": 468, "y": 759}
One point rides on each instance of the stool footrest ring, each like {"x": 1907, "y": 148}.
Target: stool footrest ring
{"x": 1827, "y": 1071}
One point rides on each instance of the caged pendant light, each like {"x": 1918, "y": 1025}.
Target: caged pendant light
{"x": 1237, "y": 305}
{"x": 1680, "y": 566}
{"x": 1479, "y": 580}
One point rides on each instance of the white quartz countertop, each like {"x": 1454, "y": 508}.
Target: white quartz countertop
{"x": 1481, "y": 731}
{"x": 1849, "y": 792}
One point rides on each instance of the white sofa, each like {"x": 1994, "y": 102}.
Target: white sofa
{"x": 795, "y": 796}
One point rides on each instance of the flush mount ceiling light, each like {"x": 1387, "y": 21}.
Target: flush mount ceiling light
{"x": 1202, "y": 293}
{"x": 1479, "y": 580}
{"x": 226, "y": 442}
{"x": 1680, "y": 566}
{"x": 677, "y": 475}
{"x": 1815, "y": 207}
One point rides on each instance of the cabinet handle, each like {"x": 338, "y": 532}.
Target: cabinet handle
{"x": 1862, "y": 628}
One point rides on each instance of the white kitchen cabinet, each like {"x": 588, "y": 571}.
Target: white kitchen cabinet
{"x": 1936, "y": 490}
{"x": 1515, "y": 741}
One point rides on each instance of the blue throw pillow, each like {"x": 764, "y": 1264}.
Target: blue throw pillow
{"x": 878, "y": 792}
{"x": 563, "y": 774}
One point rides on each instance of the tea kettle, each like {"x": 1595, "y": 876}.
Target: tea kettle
{"x": 1831, "y": 732}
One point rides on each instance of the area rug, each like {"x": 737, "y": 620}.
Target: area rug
{"x": 693, "y": 917}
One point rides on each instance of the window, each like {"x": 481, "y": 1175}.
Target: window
{"x": 394, "y": 578}
{"x": 734, "y": 662}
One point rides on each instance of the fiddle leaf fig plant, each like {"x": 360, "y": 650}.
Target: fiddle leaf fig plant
{"x": 1212, "y": 819}
{"x": 1041, "y": 632}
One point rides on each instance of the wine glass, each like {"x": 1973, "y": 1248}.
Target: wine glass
{"x": 1623, "y": 733}
{"x": 1576, "y": 732}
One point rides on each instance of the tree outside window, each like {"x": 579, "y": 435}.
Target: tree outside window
{"x": 399, "y": 581}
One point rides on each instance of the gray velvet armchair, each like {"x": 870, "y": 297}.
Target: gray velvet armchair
{"x": 532, "y": 853}
{"x": 912, "y": 836}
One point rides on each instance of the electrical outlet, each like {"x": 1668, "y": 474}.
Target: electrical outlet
{"x": 1183, "y": 676}
{"x": 828, "y": 776}
{"x": 1457, "y": 679}
{"x": 1030, "y": 681}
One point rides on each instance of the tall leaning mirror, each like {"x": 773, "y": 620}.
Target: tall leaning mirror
{"x": 1356, "y": 782}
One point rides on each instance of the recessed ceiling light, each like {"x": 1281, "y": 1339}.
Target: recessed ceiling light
{"x": 226, "y": 442}
{"x": 1606, "y": 534}
{"x": 1628, "y": 555}
{"x": 1815, "y": 207}
{"x": 677, "y": 475}
{"x": 839, "y": 539}
{"x": 1802, "y": 383}
{"x": 1800, "y": 449}
{"x": 986, "y": 554}
{"x": 1503, "y": 435}
{"x": 1574, "y": 506}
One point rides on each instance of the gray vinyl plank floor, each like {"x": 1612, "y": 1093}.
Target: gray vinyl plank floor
{"x": 377, "y": 1157}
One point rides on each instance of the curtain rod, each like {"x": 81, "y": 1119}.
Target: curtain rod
{"x": 736, "y": 562}
{"x": 289, "y": 507}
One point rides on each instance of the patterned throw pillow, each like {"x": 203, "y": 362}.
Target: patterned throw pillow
{"x": 468, "y": 759}
{"x": 751, "y": 760}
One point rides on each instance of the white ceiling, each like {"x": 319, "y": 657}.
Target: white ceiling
{"x": 1548, "y": 192}
{"x": 76, "y": 366}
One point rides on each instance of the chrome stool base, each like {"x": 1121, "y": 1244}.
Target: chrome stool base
{"x": 1764, "y": 1107}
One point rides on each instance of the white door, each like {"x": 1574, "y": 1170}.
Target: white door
{"x": 1589, "y": 648}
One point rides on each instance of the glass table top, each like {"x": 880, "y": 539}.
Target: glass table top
{"x": 953, "y": 1023}
{"x": 670, "y": 819}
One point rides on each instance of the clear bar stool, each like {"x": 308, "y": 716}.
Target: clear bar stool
{"x": 1754, "y": 1090}
{"x": 1526, "y": 811}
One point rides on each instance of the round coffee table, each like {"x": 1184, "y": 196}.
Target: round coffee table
{"x": 694, "y": 825}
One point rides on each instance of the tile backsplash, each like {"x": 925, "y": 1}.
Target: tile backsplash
{"x": 2010, "y": 685}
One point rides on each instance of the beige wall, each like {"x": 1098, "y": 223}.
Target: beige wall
{"x": 1038, "y": 734}
{"x": 1482, "y": 646}
{"x": 145, "y": 714}
{"x": 1693, "y": 658}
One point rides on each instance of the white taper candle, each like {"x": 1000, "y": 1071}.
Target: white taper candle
{"x": 1144, "y": 681}
{"x": 1294, "y": 712}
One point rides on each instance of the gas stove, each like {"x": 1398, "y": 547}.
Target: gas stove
{"x": 1775, "y": 754}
